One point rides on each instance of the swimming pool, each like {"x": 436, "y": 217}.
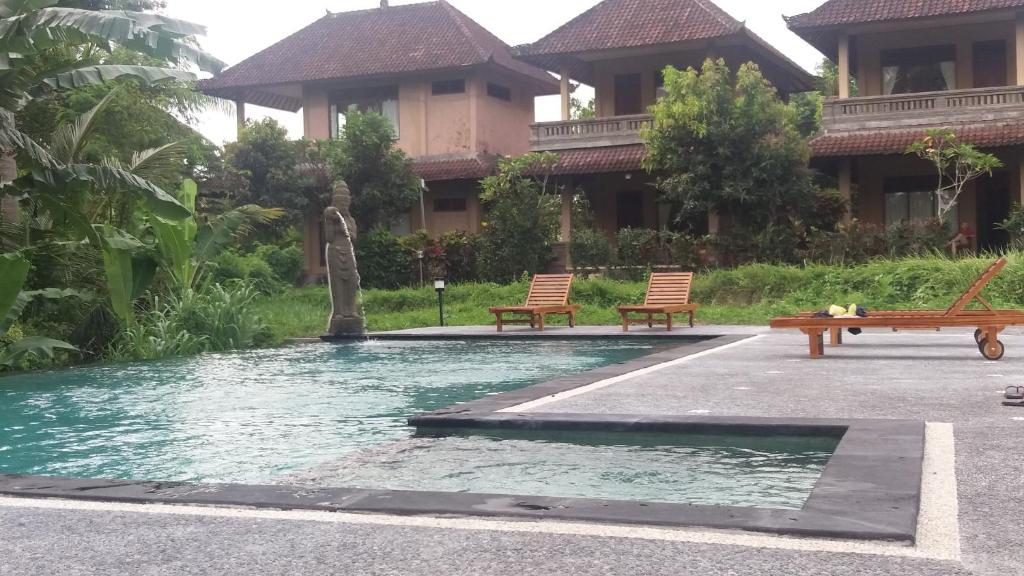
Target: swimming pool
{"x": 251, "y": 417}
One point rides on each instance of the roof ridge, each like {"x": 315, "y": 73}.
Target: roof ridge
{"x": 458, "y": 16}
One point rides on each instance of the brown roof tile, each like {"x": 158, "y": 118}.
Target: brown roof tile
{"x": 631, "y": 23}
{"x": 885, "y": 142}
{"x": 839, "y": 12}
{"x": 440, "y": 168}
{"x": 371, "y": 43}
{"x": 601, "y": 160}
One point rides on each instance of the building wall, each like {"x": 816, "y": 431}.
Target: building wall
{"x": 647, "y": 66}
{"x": 869, "y": 48}
{"x": 438, "y": 223}
{"x": 449, "y": 124}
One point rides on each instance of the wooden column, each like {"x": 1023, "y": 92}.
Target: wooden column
{"x": 714, "y": 222}
{"x": 1020, "y": 181}
{"x": 240, "y": 116}
{"x": 843, "y": 76}
{"x": 566, "y": 96}
{"x": 846, "y": 186}
{"x": 565, "y": 233}
{"x": 1020, "y": 49}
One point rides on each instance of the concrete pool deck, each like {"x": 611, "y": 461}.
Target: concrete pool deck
{"x": 939, "y": 378}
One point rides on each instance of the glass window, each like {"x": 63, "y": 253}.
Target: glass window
{"x": 379, "y": 100}
{"x": 500, "y": 92}
{"x": 912, "y": 70}
{"x": 912, "y": 200}
{"x": 449, "y": 205}
{"x": 448, "y": 87}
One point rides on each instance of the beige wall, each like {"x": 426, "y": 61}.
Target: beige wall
{"x": 868, "y": 49}
{"x": 647, "y": 66}
{"x": 449, "y": 124}
{"x": 440, "y": 222}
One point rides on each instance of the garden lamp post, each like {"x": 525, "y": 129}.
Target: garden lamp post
{"x": 439, "y": 286}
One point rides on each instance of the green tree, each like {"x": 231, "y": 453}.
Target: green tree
{"x": 957, "y": 164}
{"x": 378, "y": 173}
{"x": 828, "y": 80}
{"x": 522, "y": 218}
{"x": 268, "y": 162}
{"x": 580, "y": 110}
{"x": 807, "y": 108}
{"x": 729, "y": 144}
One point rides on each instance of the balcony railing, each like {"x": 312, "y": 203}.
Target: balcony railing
{"x": 923, "y": 109}
{"x": 589, "y": 133}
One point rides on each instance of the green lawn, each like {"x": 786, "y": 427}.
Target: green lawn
{"x": 747, "y": 295}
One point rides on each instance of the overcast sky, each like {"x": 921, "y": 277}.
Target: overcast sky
{"x": 240, "y": 28}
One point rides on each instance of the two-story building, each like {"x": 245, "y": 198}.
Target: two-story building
{"x": 620, "y": 48}
{"x": 955, "y": 64}
{"x": 454, "y": 93}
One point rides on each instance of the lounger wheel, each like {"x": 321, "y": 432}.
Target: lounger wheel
{"x": 996, "y": 354}
{"x": 977, "y": 336}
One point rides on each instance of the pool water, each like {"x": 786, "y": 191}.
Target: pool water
{"x": 250, "y": 417}
{"x": 713, "y": 470}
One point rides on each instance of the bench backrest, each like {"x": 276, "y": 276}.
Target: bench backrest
{"x": 975, "y": 290}
{"x": 550, "y": 290}
{"x": 666, "y": 289}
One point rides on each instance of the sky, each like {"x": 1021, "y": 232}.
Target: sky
{"x": 237, "y": 29}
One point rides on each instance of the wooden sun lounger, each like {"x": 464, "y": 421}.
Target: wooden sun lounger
{"x": 549, "y": 295}
{"x": 667, "y": 294}
{"x": 988, "y": 322}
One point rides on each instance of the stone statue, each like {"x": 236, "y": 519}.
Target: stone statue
{"x": 342, "y": 273}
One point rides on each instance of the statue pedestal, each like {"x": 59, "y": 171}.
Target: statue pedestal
{"x": 342, "y": 327}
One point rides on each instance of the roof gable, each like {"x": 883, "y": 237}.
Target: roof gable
{"x": 632, "y": 23}
{"x": 395, "y": 40}
{"x": 844, "y": 12}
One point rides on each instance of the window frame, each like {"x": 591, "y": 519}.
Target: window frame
{"x": 453, "y": 207}
{"x": 450, "y": 87}
{"x": 366, "y": 100}
{"x": 504, "y": 93}
{"x": 905, "y": 60}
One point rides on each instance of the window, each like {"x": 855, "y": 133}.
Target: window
{"x": 380, "y": 100}
{"x": 911, "y": 200}
{"x": 448, "y": 87}
{"x": 628, "y": 94}
{"x": 449, "y": 205}
{"x": 928, "y": 69}
{"x": 498, "y": 91}
{"x": 659, "y": 84}
{"x": 629, "y": 210}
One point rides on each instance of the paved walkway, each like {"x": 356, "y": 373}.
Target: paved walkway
{"x": 934, "y": 377}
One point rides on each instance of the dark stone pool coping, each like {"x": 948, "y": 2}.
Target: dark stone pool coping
{"x": 870, "y": 489}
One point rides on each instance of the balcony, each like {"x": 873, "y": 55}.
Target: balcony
{"x": 923, "y": 109}
{"x": 589, "y": 133}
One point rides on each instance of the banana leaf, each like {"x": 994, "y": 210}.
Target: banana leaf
{"x": 35, "y": 346}
{"x": 13, "y": 273}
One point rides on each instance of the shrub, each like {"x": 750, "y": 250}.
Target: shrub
{"x": 687, "y": 251}
{"x": 637, "y": 247}
{"x": 285, "y": 263}
{"x": 383, "y": 262}
{"x": 589, "y": 249}
{"x": 461, "y": 252}
{"x": 1014, "y": 226}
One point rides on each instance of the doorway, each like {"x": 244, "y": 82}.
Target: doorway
{"x": 628, "y": 94}
{"x": 629, "y": 208}
{"x": 993, "y": 208}
{"x": 990, "y": 64}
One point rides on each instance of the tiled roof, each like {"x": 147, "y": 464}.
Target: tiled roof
{"x": 632, "y": 23}
{"x": 601, "y": 160}
{"x": 439, "y": 168}
{"x": 840, "y": 12}
{"x": 884, "y": 142}
{"x": 379, "y": 42}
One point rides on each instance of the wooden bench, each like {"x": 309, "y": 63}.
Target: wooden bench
{"x": 667, "y": 294}
{"x": 988, "y": 322}
{"x": 549, "y": 295}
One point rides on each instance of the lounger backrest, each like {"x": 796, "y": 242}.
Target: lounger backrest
{"x": 550, "y": 290}
{"x": 975, "y": 290}
{"x": 669, "y": 288}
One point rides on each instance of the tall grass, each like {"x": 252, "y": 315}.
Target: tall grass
{"x": 747, "y": 295}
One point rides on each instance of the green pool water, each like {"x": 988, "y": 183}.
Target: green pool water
{"x": 713, "y": 470}
{"x": 251, "y": 417}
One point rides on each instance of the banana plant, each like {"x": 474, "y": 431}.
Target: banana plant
{"x": 14, "y": 270}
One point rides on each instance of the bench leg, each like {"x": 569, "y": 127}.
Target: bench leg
{"x": 691, "y": 319}
{"x": 650, "y": 320}
{"x": 836, "y": 336}
{"x": 817, "y": 342}
{"x": 625, "y": 321}
{"x": 540, "y": 322}
{"x": 668, "y": 321}
{"x": 499, "y": 320}
{"x": 572, "y": 319}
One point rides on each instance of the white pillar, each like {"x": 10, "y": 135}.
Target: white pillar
{"x": 1020, "y": 49}
{"x": 846, "y": 186}
{"x": 240, "y": 116}
{"x": 843, "y": 76}
{"x": 566, "y": 96}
